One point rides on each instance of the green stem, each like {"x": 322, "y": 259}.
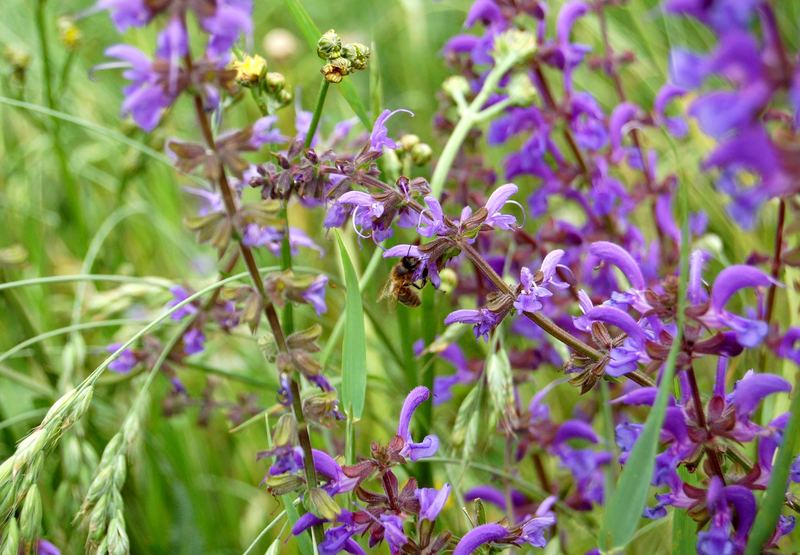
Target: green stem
{"x": 71, "y": 192}
{"x": 469, "y": 117}
{"x": 312, "y": 129}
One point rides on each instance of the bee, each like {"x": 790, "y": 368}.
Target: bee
{"x": 401, "y": 284}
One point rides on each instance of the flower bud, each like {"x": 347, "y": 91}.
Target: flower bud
{"x": 284, "y": 483}
{"x": 321, "y": 504}
{"x": 336, "y": 70}
{"x": 357, "y": 54}
{"x": 250, "y": 70}
{"x": 68, "y": 33}
{"x": 329, "y": 45}
{"x": 521, "y": 90}
{"x": 456, "y": 86}
{"x": 274, "y": 82}
{"x": 285, "y": 431}
{"x": 421, "y": 154}
{"x": 30, "y": 519}
{"x": 408, "y": 141}
{"x": 514, "y": 45}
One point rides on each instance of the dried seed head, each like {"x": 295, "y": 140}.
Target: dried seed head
{"x": 329, "y": 45}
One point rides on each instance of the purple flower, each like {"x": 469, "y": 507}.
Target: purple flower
{"x": 393, "y": 532}
{"x": 676, "y": 126}
{"x": 794, "y": 470}
{"x": 619, "y": 257}
{"x": 231, "y": 18}
{"x": 483, "y": 320}
{"x": 485, "y": 11}
{"x": 264, "y": 134}
{"x": 315, "y": 294}
{"x": 431, "y": 501}
{"x": 44, "y": 547}
{"x": 127, "y": 13}
{"x": 328, "y": 468}
{"x": 193, "y": 341}
{"x": 789, "y": 347}
{"x": 752, "y": 388}
{"x": 272, "y": 238}
{"x": 152, "y": 89}
{"x": 379, "y": 138}
{"x": 428, "y": 446}
{"x": 529, "y": 298}
{"x": 478, "y": 536}
{"x": 749, "y": 332}
{"x": 495, "y": 203}
{"x": 126, "y": 360}
{"x": 179, "y": 295}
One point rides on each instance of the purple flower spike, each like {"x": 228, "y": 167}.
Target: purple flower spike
{"x": 616, "y": 255}
{"x": 428, "y": 446}
{"x": 752, "y": 388}
{"x": 379, "y": 138}
{"x": 481, "y": 535}
{"x": 432, "y": 501}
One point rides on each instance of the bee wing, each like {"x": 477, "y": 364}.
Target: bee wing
{"x": 388, "y": 291}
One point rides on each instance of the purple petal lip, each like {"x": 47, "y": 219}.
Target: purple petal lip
{"x": 414, "y": 399}
{"x": 614, "y": 254}
{"x": 618, "y": 318}
{"x": 734, "y": 278}
{"x": 479, "y": 536}
{"x": 752, "y": 388}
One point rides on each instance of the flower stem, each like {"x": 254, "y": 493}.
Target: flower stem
{"x": 711, "y": 452}
{"x": 312, "y": 128}
{"x": 468, "y": 117}
{"x": 269, "y": 309}
{"x": 776, "y": 260}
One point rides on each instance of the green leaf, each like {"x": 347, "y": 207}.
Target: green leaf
{"x": 626, "y": 504}
{"x": 312, "y": 34}
{"x": 354, "y": 347}
{"x": 684, "y": 529}
{"x": 772, "y": 502}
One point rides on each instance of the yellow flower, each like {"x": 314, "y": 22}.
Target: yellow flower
{"x": 250, "y": 69}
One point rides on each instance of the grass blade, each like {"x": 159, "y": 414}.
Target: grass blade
{"x": 354, "y": 348}
{"x": 771, "y": 504}
{"x": 311, "y": 34}
{"x": 684, "y": 529}
{"x": 625, "y": 506}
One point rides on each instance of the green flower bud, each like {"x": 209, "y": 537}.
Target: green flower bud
{"x": 336, "y": 70}
{"x": 30, "y": 518}
{"x": 514, "y": 45}
{"x": 329, "y": 45}
{"x": 285, "y": 431}
{"x": 320, "y": 503}
{"x": 421, "y": 154}
{"x": 521, "y": 90}
{"x": 284, "y": 483}
{"x": 407, "y": 142}
{"x": 456, "y": 86}
{"x": 274, "y": 82}
{"x": 357, "y": 54}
